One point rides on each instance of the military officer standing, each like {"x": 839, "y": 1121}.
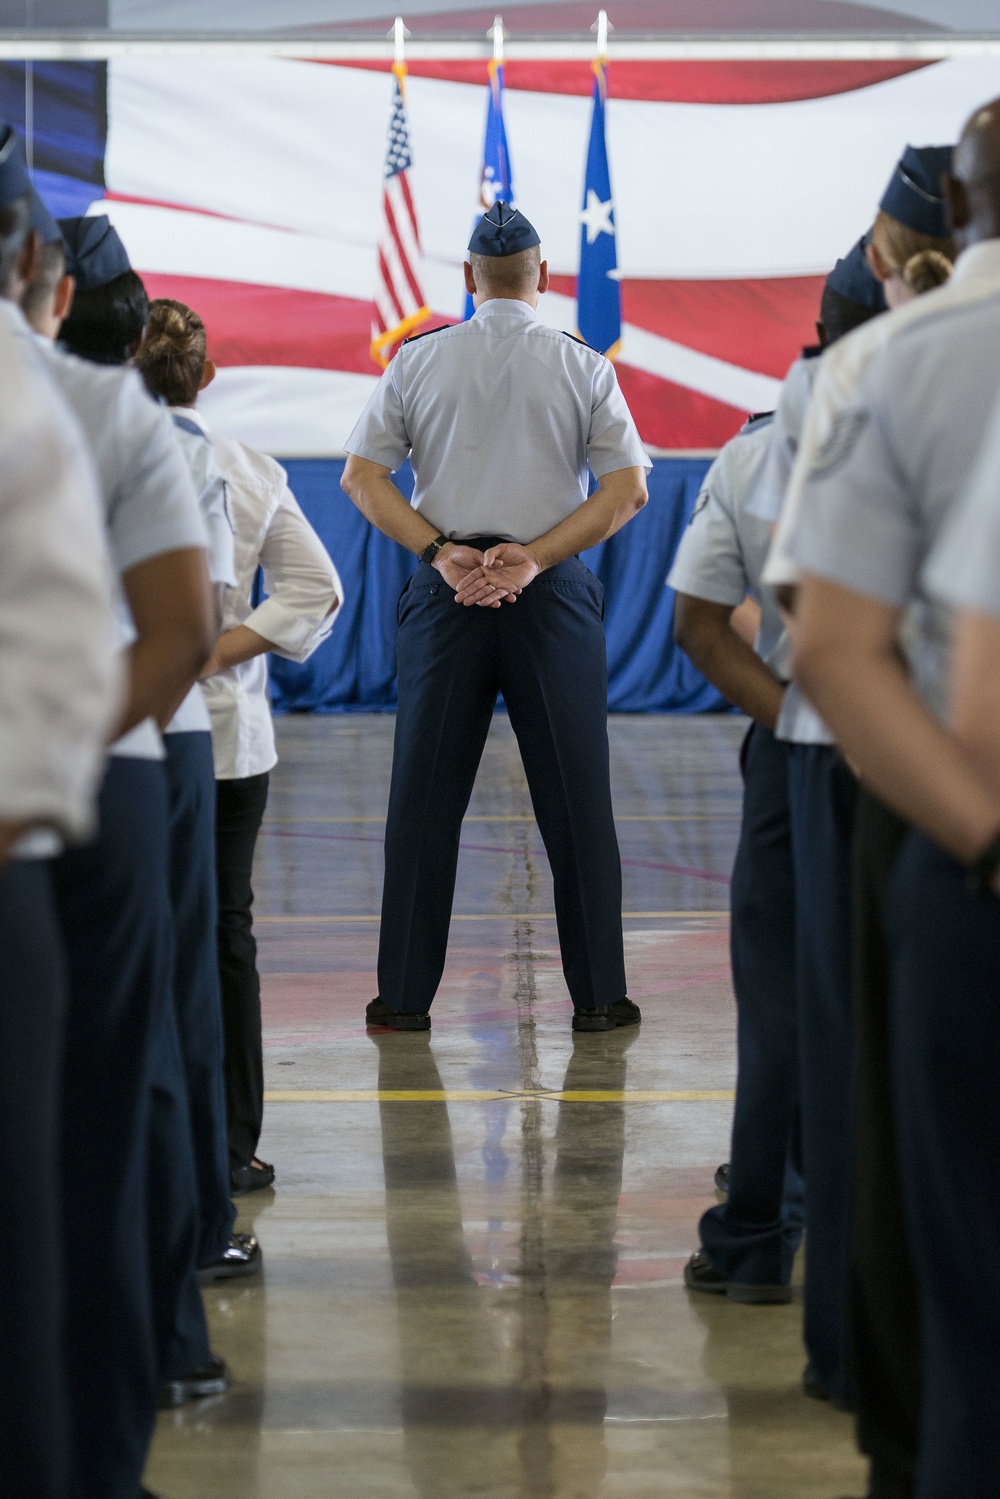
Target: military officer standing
{"x": 501, "y": 417}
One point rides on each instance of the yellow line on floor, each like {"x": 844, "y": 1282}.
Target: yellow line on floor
{"x": 505, "y": 916}
{"x": 492, "y": 1095}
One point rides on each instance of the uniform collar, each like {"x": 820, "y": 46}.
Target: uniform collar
{"x": 191, "y": 414}
{"x": 507, "y": 307}
{"x": 16, "y": 320}
{"x": 978, "y": 263}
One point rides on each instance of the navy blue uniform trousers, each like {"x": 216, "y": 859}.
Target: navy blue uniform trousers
{"x": 822, "y": 794}
{"x": 113, "y": 910}
{"x": 197, "y": 996}
{"x": 34, "y": 1394}
{"x": 885, "y": 1343}
{"x": 546, "y": 653}
{"x": 944, "y": 951}
{"x": 752, "y": 1237}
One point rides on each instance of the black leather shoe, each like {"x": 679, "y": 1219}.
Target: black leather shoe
{"x": 148, "y": 1494}
{"x": 244, "y": 1179}
{"x": 622, "y": 1012}
{"x": 378, "y": 1016}
{"x": 701, "y": 1275}
{"x": 722, "y": 1179}
{"x": 242, "y": 1257}
{"x": 812, "y": 1387}
{"x": 211, "y": 1379}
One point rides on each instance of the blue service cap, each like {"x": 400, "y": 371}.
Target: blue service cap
{"x": 14, "y": 179}
{"x": 503, "y": 231}
{"x": 94, "y": 253}
{"x": 852, "y": 277}
{"x": 914, "y": 195}
{"x": 43, "y": 222}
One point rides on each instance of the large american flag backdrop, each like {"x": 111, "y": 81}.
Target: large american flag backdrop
{"x": 251, "y": 188}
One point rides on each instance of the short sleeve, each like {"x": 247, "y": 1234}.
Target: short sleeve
{"x": 963, "y": 569}
{"x": 709, "y": 561}
{"x": 380, "y": 433}
{"x": 613, "y": 441}
{"x": 154, "y": 507}
{"x": 857, "y": 526}
{"x": 768, "y": 498}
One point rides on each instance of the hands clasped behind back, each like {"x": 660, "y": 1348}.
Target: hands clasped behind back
{"x": 488, "y": 579}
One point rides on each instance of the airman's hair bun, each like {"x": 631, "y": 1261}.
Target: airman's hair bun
{"x": 172, "y": 357}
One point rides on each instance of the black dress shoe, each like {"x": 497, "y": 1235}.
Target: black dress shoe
{"x": 242, "y": 1257}
{"x": 211, "y": 1379}
{"x": 145, "y": 1493}
{"x": 244, "y": 1179}
{"x": 622, "y": 1012}
{"x": 378, "y": 1016}
{"x": 722, "y": 1179}
{"x": 701, "y": 1275}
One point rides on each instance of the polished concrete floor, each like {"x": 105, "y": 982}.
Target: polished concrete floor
{"x": 473, "y": 1257}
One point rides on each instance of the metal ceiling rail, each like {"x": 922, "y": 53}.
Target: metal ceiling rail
{"x": 50, "y": 46}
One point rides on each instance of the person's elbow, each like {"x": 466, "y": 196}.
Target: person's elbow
{"x": 638, "y": 495}
{"x": 700, "y": 626}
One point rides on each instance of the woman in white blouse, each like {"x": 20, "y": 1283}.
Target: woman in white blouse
{"x": 303, "y": 598}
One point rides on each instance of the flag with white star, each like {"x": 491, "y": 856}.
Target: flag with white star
{"x": 497, "y": 180}
{"x": 598, "y": 293}
{"x": 399, "y": 299}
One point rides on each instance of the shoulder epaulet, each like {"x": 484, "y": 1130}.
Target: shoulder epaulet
{"x": 756, "y": 417}
{"x": 187, "y": 425}
{"x": 578, "y": 340}
{"x": 813, "y": 351}
{"x": 427, "y": 333}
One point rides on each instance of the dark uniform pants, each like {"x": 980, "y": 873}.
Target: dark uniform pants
{"x": 546, "y": 653}
{"x": 197, "y": 999}
{"x": 239, "y": 811}
{"x": 884, "y": 1298}
{"x": 944, "y": 948}
{"x": 822, "y": 794}
{"x": 34, "y": 1394}
{"x": 753, "y": 1236}
{"x": 113, "y": 909}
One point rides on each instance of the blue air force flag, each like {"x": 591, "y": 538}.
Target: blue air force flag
{"x": 598, "y": 294}
{"x": 497, "y": 180}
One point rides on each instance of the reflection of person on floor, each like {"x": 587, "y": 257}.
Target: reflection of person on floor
{"x": 504, "y": 1386}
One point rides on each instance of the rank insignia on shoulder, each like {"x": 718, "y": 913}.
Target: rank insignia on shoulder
{"x": 426, "y": 333}
{"x": 578, "y": 340}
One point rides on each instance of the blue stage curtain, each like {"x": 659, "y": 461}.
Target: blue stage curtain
{"x": 355, "y": 671}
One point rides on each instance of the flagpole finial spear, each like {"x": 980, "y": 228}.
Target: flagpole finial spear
{"x": 602, "y": 26}
{"x": 399, "y": 34}
{"x": 496, "y": 34}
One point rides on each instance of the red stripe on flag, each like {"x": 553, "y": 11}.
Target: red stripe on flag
{"x": 668, "y": 82}
{"x": 390, "y": 286}
{"x": 404, "y": 259}
{"x": 404, "y": 183}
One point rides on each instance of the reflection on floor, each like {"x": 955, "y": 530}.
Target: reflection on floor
{"x": 473, "y": 1264}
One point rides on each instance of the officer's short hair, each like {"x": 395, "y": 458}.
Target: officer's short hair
{"x": 15, "y": 226}
{"x": 49, "y": 271}
{"x": 507, "y": 273}
{"x": 107, "y": 322}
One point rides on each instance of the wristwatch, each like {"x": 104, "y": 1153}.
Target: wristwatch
{"x": 430, "y": 552}
{"x": 982, "y": 871}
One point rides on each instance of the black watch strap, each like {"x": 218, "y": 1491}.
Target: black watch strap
{"x": 430, "y": 552}
{"x": 982, "y": 871}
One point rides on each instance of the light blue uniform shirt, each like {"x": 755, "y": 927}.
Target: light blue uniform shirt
{"x": 723, "y": 551}
{"x": 210, "y": 487}
{"x": 880, "y": 491}
{"x": 963, "y": 568}
{"x": 768, "y": 498}
{"x": 501, "y": 417}
{"x": 149, "y": 502}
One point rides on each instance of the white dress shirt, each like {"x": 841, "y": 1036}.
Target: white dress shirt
{"x": 304, "y": 598}
{"x": 60, "y": 676}
{"x": 502, "y": 418}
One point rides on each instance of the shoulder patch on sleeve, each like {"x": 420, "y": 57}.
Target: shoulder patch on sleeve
{"x": 700, "y": 503}
{"x": 840, "y": 444}
{"x": 427, "y": 333}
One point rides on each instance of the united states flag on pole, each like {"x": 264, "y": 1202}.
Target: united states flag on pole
{"x": 399, "y": 296}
